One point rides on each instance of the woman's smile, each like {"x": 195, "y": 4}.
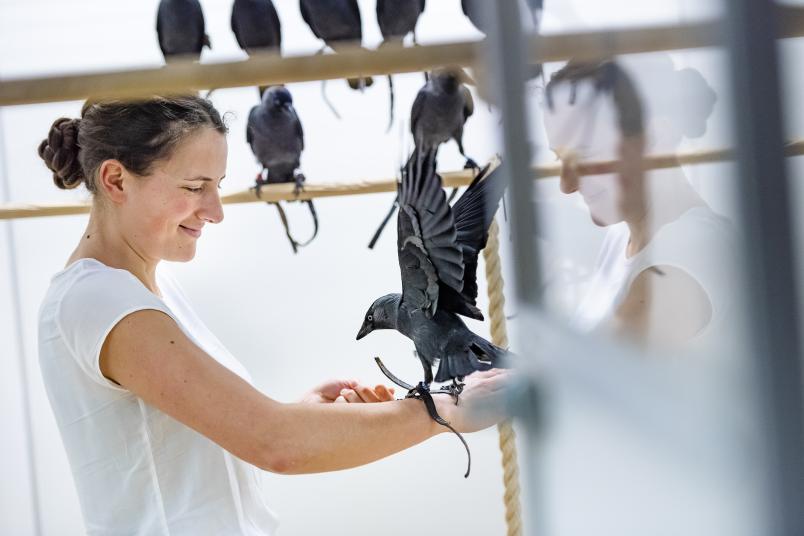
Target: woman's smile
{"x": 195, "y": 233}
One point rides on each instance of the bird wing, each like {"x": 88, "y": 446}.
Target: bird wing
{"x": 306, "y": 16}
{"x": 299, "y": 130}
{"x": 355, "y": 9}
{"x": 429, "y": 256}
{"x": 473, "y": 213}
{"x": 236, "y": 28}
{"x": 252, "y": 120}
{"x": 159, "y": 33}
{"x": 416, "y": 112}
{"x": 468, "y": 103}
{"x": 277, "y": 26}
{"x": 199, "y": 22}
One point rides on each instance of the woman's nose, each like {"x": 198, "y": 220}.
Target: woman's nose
{"x": 212, "y": 209}
{"x": 569, "y": 177}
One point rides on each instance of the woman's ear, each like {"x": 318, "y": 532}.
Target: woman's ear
{"x": 111, "y": 180}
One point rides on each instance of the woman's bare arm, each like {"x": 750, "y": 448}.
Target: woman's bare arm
{"x": 664, "y": 305}
{"x": 148, "y": 354}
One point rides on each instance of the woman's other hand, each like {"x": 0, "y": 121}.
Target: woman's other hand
{"x": 481, "y": 404}
{"x": 347, "y": 391}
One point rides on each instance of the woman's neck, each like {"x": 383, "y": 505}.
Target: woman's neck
{"x": 102, "y": 241}
{"x": 667, "y": 196}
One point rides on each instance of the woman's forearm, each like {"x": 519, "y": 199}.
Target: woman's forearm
{"x": 311, "y": 438}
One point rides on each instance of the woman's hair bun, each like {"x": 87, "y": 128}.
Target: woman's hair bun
{"x": 60, "y": 153}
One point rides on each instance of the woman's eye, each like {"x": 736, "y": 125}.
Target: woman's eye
{"x": 193, "y": 190}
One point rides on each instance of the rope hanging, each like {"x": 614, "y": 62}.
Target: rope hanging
{"x": 499, "y": 336}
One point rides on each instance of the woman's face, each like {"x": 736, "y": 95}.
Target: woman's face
{"x": 586, "y": 131}
{"x": 165, "y": 212}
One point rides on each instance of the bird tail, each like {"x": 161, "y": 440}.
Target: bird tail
{"x": 206, "y": 42}
{"x": 481, "y": 355}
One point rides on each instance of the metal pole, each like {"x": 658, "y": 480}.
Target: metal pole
{"x": 770, "y": 276}
{"x": 16, "y": 304}
{"x": 505, "y": 56}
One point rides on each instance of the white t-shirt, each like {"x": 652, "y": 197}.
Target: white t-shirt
{"x": 137, "y": 470}
{"x": 699, "y": 242}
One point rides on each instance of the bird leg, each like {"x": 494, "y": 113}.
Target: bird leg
{"x": 298, "y": 179}
{"x": 421, "y": 391}
{"x": 259, "y": 182}
{"x": 470, "y": 164}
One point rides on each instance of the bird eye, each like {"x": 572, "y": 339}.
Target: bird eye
{"x": 370, "y": 318}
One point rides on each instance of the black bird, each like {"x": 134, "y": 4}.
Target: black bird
{"x": 438, "y": 248}
{"x": 256, "y": 26}
{"x": 336, "y": 22}
{"x": 180, "y": 28}
{"x": 471, "y": 8}
{"x": 439, "y": 113}
{"x": 397, "y": 18}
{"x": 275, "y": 135}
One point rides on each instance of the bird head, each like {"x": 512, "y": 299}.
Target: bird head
{"x": 277, "y": 97}
{"x": 448, "y": 79}
{"x": 381, "y": 315}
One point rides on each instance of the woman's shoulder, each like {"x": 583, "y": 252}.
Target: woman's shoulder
{"x": 87, "y": 284}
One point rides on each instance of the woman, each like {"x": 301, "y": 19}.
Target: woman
{"x": 661, "y": 277}
{"x": 162, "y": 427}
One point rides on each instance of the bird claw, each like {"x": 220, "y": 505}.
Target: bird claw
{"x": 471, "y": 164}
{"x": 299, "y": 184}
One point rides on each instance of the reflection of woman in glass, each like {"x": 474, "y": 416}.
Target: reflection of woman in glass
{"x": 658, "y": 280}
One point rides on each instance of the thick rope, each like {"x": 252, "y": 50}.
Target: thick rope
{"x": 499, "y": 336}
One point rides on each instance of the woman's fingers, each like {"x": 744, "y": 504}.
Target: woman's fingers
{"x": 384, "y": 393}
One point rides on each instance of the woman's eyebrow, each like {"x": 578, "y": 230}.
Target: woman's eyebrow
{"x": 202, "y": 178}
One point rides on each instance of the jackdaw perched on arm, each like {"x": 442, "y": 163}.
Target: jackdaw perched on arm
{"x": 275, "y": 135}
{"x": 439, "y": 113}
{"x": 397, "y": 18}
{"x": 438, "y": 248}
{"x": 255, "y": 24}
{"x": 336, "y": 22}
{"x": 180, "y": 29}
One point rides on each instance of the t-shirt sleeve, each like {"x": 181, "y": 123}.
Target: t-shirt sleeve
{"x": 92, "y": 306}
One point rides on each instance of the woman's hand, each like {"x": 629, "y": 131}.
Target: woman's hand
{"x": 347, "y": 391}
{"x": 481, "y": 404}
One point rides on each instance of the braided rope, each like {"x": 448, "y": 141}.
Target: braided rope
{"x": 499, "y": 336}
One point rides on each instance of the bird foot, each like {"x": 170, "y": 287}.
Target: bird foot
{"x": 471, "y": 164}
{"x": 421, "y": 391}
{"x": 259, "y": 182}
{"x": 299, "y": 186}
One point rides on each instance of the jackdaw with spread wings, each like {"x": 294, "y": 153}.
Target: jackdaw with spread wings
{"x": 438, "y": 248}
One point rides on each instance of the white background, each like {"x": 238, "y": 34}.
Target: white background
{"x": 291, "y": 319}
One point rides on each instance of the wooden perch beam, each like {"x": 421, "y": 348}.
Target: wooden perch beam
{"x": 266, "y": 68}
{"x": 284, "y": 192}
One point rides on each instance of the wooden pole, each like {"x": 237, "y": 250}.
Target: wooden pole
{"x": 267, "y": 68}
{"x": 284, "y": 192}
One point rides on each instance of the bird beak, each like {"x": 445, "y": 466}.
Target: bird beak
{"x": 365, "y": 329}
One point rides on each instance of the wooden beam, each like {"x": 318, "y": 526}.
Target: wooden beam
{"x": 266, "y": 68}
{"x": 284, "y": 192}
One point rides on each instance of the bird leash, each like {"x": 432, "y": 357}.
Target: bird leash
{"x": 422, "y": 392}
{"x": 295, "y": 244}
